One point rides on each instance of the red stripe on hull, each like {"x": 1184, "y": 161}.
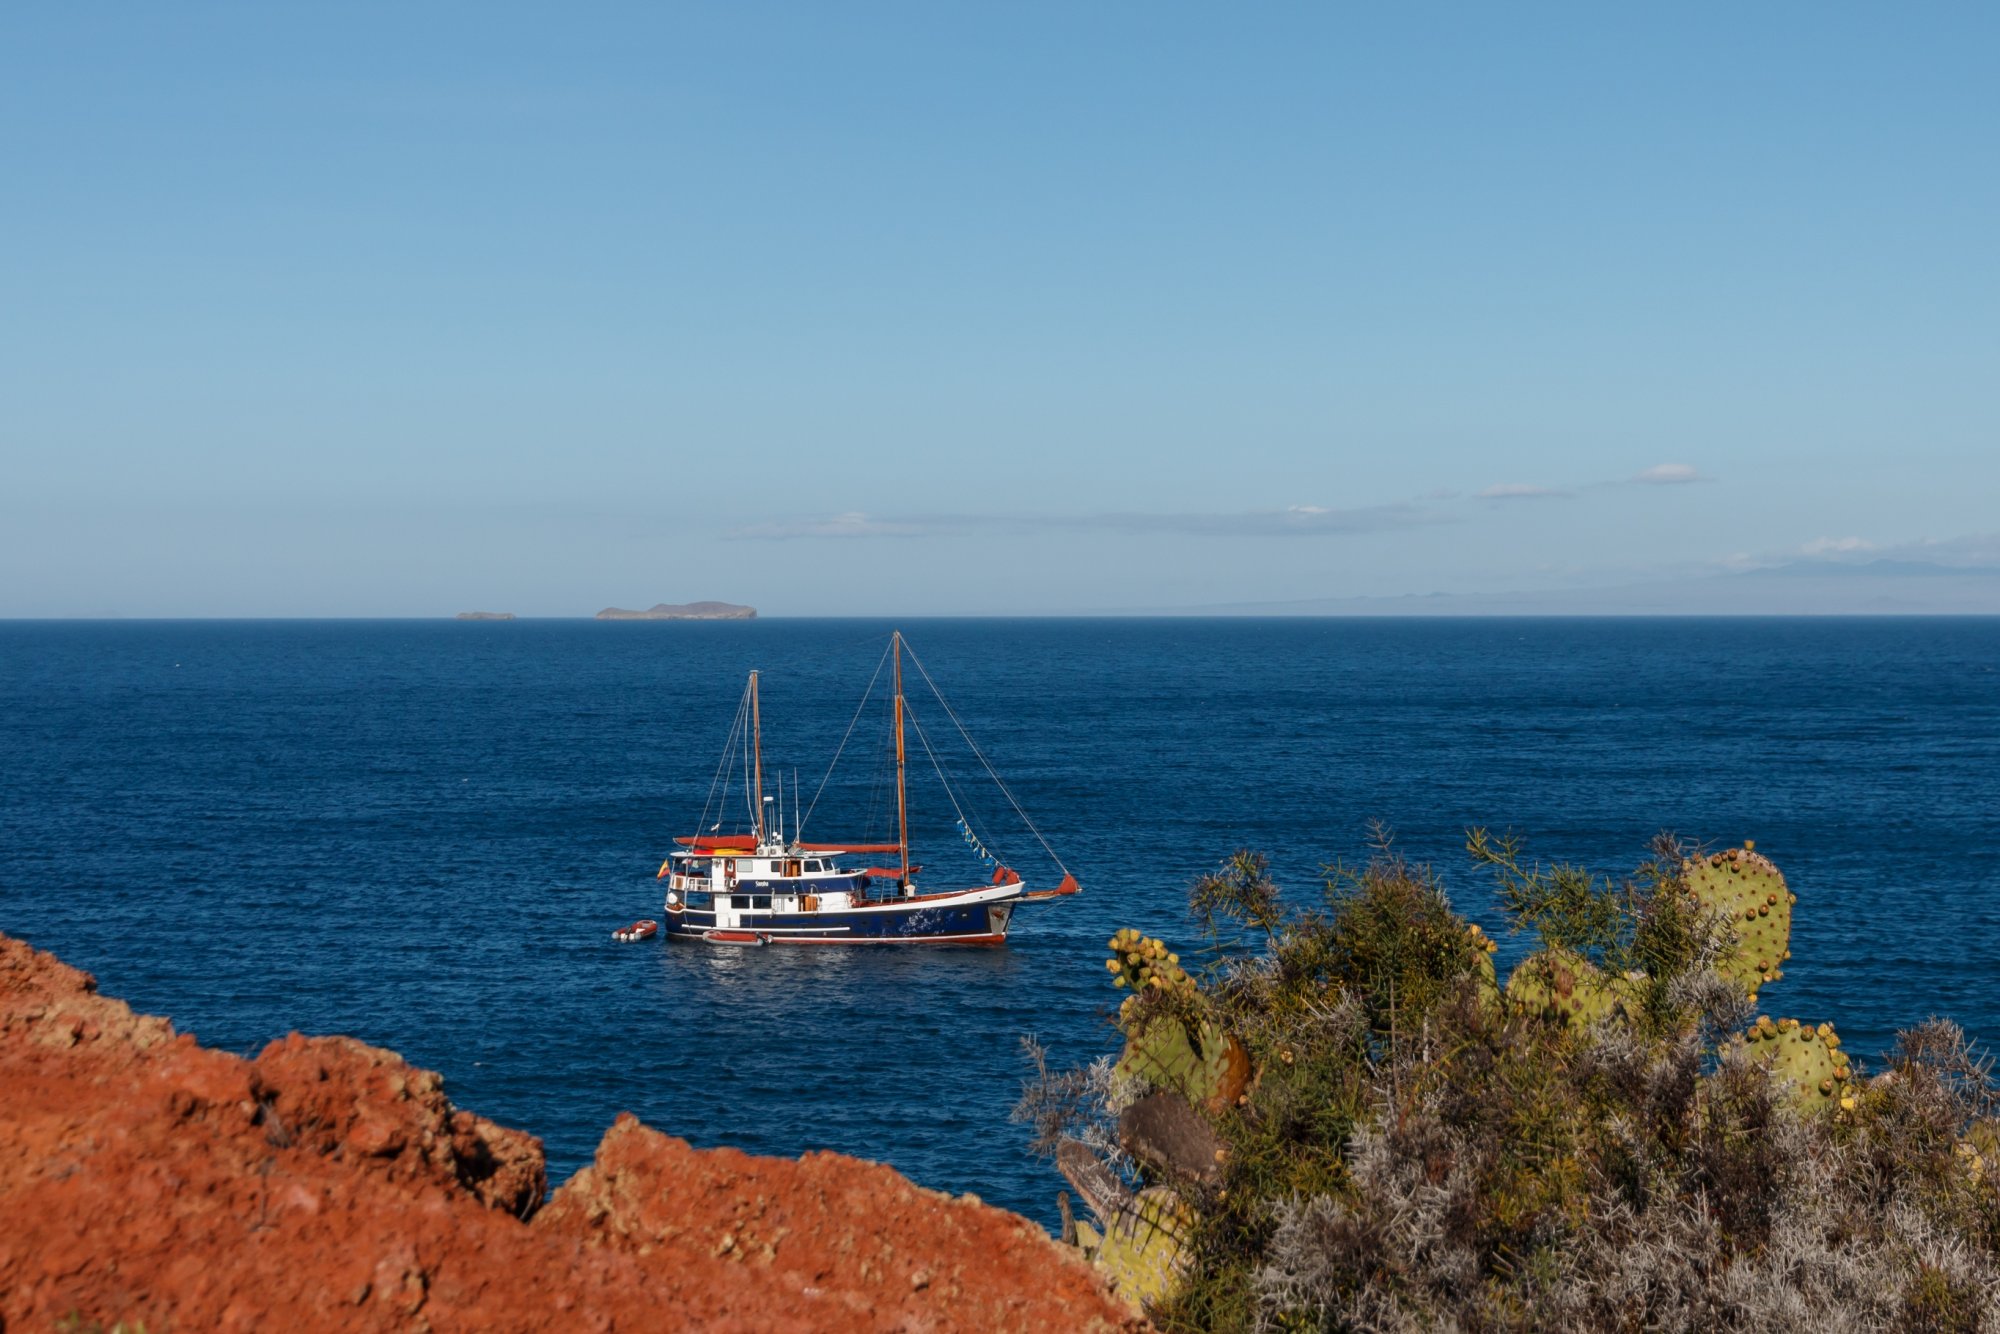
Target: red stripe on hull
{"x": 987, "y": 938}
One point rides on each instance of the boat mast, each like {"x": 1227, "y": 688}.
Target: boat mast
{"x": 902, "y": 801}
{"x": 757, "y": 747}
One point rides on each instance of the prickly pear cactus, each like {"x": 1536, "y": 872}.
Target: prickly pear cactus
{"x": 1145, "y": 964}
{"x": 1487, "y": 947}
{"x": 1564, "y": 985}
{"x": 1208, "y": 1070}
{"x": 1750, "y": 894}
{"x": 1810, "y": 1058}
{"x": 1144, "y": 1249}
{"x": 1491, "y": 999}
{"x": 1167, "y": 1050}
{"x": 1980, "y": 1149}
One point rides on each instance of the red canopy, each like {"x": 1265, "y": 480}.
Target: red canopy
{"x": 739, "y": 842}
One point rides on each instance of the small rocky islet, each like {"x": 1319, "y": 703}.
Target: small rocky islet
{"x": 682, "y": 611}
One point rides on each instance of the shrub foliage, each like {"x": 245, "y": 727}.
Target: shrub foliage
{"x": 1417, "y": 1147}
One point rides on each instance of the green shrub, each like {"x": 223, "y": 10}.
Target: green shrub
{"x": 1417, "y": 1147}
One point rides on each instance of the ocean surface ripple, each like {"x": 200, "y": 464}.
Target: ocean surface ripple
{"x": 422, "y": 833}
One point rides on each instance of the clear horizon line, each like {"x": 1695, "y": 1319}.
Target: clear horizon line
{"x": 1161, "y": 615}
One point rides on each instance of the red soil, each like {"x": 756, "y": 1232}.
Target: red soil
{"x": 329, "y": 1185}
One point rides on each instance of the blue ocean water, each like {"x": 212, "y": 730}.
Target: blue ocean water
{"x": 422, "y": 833}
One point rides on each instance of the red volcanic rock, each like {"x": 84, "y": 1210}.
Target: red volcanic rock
{"x": 852, "y": 1244}
{"x": 339, "y": 1096}
{"x": 330, "y": 1185}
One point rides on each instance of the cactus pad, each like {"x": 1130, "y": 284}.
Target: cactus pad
{"x": 1144, "y": 1248}
{"x": 1487, "y": 948}
{"x": 1749, "y": 893}
{"x": 1810, "y": 1058}
{"x": 1485, "y": 976}
{"x": 1979, "y": 1150}
{"x": 1565, "y": 985}
{"x": 1163, "y": 1047}
{"x": 1208, "y": 1069}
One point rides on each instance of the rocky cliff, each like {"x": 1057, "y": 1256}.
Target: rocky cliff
{"x": 327, "y": 1184}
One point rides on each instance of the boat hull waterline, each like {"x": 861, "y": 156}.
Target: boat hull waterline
{"x": 979, "y": 922}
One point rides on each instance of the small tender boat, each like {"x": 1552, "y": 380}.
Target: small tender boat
{"x": 643, "y": 929}
{"x": 761, "y": 887}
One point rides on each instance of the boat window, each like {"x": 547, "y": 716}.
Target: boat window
{"x": 814, "y": 866}
{"x": 761, "y": 901}
{"x": 698, "y": 900}
{"x": 739, "y": 901}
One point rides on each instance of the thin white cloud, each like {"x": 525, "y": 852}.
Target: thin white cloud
{"x": 1519, "y": 491}
{"x": 852, "y": 523}
{"x": 1291, "y": 521}
{"x": 1669, "y": 474}
{"x": 1297, "y": 520}
{"x": 1972, "y": 551}
{"x": 1824, "y": 547}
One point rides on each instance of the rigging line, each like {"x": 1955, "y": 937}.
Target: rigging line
{"x": 845, "y": 735}
{"x": 722, "y": 766}
{"x": 729, "y": 765}
{"x": 1005, "y": 791}
{"x": 950, "y": 795}
{"x": 884, "y": 770}
{"x": 718, "y": 801}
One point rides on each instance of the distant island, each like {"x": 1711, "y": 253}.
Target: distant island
{"x": 486, "y": 616}
{"x": 685, "y": 611}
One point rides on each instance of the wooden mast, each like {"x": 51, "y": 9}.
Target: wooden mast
{"x": 902, "y": 801}
{"x": 757, "y": 748}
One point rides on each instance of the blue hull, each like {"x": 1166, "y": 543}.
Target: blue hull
{"x": 970, "y": 923}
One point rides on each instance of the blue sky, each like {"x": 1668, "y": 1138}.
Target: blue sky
{"x": 874, "y": 309}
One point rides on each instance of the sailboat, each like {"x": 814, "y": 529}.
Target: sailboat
{"x": 762, "y": 887}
